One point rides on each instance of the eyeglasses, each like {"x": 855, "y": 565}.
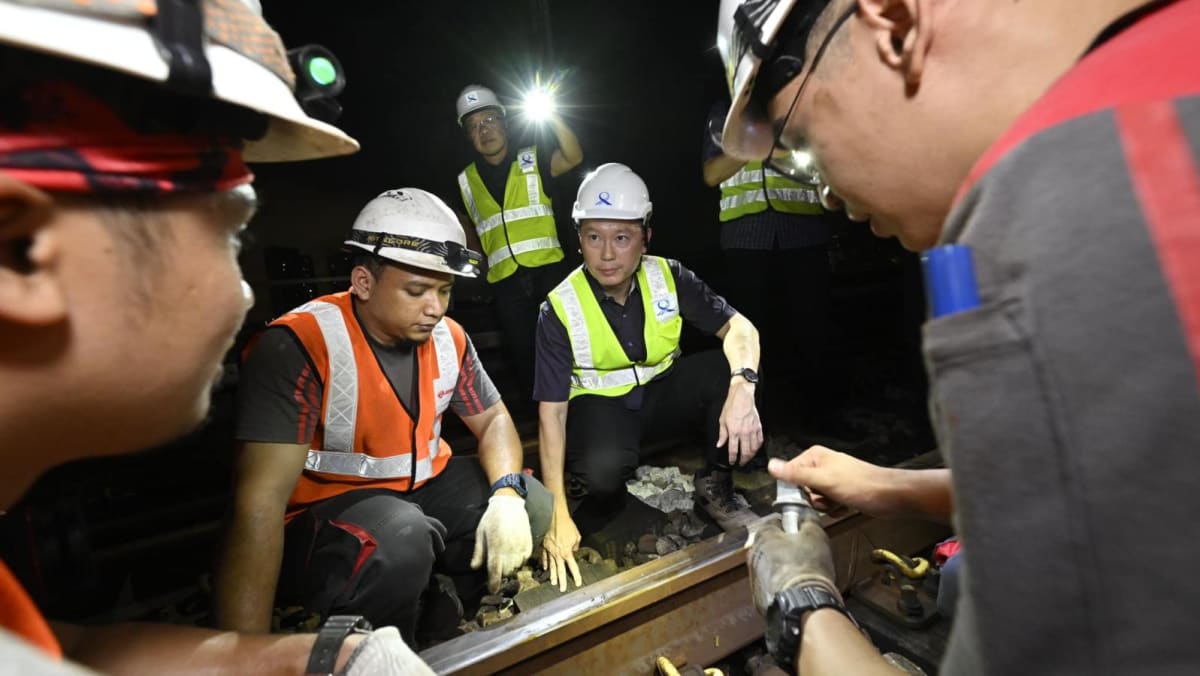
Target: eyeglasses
{"x": 489, "y": 121}
{"x": 796, "y": 162}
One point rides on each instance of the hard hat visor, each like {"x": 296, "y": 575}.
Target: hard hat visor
{"x": 243, "y": 54}
{"x": 457, "y": 258}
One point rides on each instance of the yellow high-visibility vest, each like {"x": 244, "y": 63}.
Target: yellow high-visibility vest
{"x": 523, "y": 231}
{"x": 600, "y": 364}
{"x": 747, "y": 192}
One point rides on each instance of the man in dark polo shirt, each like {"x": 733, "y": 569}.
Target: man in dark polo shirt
{"x": 608, "y": 359}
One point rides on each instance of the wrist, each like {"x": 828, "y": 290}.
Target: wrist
{"x": 508, "y": 491}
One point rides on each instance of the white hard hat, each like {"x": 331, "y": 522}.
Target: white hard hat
{"x": 248, "y": 65}
{"x": 613, "y": 191}
{"x": 476, "y": 97}
{"x": 414, "y": 227}
{"x": 747, "y": 31}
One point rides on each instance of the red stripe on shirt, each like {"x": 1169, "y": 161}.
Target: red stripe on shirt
{"x": 466, "y": 387}
{"x": 302, "y": 396}
{"x": 1165, "y": 178}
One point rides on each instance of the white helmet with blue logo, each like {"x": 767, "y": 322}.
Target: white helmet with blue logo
{"x": 476, "y": 97}
{"x": 614, "y": 192}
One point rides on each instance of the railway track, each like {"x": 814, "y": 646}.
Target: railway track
{"x": 692, "y": 606}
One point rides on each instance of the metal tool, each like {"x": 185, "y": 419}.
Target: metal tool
{"x": 791, "y": 501}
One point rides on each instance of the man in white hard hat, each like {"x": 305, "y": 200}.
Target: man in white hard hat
{"x": 610, "y": 371}
{"x": 775, "y": 243}
{"x": 347, "y": 496}
{"x": 1045, "y": 156}
{"x": 506, "y": 195}
{"x": 124, "y": 132}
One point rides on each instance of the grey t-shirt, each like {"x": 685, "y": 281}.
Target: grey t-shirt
{"x": 280, "y": 393}
{"x": 1067, "y": 403}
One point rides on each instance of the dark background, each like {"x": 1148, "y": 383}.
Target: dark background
{"x": 134, "y": 537}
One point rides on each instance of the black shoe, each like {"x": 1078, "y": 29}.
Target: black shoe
{"x": 441, "y": 612}
{"x": 715, "y": 494}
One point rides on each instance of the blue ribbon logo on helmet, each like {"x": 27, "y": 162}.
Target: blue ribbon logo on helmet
{"x": 604, "y": 199}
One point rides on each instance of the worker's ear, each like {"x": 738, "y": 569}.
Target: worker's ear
{"x": 31, "y": 290}
{"x": 362, "y": 281}
{"x": 903, "y": 31}
{"x": 649, "y": 233}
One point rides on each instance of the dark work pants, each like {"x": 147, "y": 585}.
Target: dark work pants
{"x": 517, "y": 300}
{"x": 604, "y": 438}
{"x": 371, "y": 552}
{"x": 785, "y": 293}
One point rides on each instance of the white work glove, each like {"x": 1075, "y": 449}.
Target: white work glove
{"x": 503, "y": 537}
{"x": 383, "y": 652}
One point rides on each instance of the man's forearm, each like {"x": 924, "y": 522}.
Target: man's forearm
{"x": 717, "y": 169}
{"x": 552, "y": 428}
{"x": 164, "y": 650}
{"x": 249, "y": 571}
{"x": 499, "y": 445}
{"x": 831, "y": 645}
{"x": 740, "y": 344}
{"x": 922, "y": 493}
{"x": 568, "y": 143}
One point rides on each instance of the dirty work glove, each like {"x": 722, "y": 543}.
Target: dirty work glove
{"x": 384, "y": 652}
{"x": 780, "y": 560}
{"x": 503, "y": 537}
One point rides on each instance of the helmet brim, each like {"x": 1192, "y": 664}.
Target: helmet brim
{"x": 125, "y": 45}
{"x": 748, "y": 132}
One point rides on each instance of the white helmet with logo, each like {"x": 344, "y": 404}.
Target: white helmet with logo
{"x": 246, "y": 61}
{"x": 613, "y": 191}
{"x": 476, "y": 97}
{"x": 414, "y": 227}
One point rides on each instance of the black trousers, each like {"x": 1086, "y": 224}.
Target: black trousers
{"x": 604, "y": 437}
{"x": 517, "y": 301}
{"x": 785, "y": 292}
{"x": 372, "y": 552}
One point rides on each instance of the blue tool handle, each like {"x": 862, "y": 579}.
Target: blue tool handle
{"x": 950, "y": 285}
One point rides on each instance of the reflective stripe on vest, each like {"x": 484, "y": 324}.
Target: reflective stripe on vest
{"x": 612, "y": 373}
{"x": 744, "y": 193}
{"x": 522, "y": 232}
{"x": 338, "y": 455}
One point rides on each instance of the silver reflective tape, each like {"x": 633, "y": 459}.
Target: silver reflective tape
{"x": 742, "y": 177}
{"x": 447, "y": 360}
{"x": 341, "y": 390}
{"x": 803, "y": 195}
{"x": 665, "y": 305}
{"x": 581, "y": 344}
{"x": 465, "y": 186}
{"x": 535, "y": 244}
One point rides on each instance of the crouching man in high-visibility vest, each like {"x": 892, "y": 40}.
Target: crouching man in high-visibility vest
{"x": 340, "y": 417}
{"x": 608, "y": 360}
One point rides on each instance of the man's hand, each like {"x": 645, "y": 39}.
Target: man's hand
{"x": 780, "y": 560}
{"x": 739, "y": 424}
{"x": 503, "y": 538}
{"x": 384, "y": 652}
{"x": 558, "y": 550}
{"x": 834, "y": 478}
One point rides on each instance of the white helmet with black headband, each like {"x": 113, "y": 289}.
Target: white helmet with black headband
{"x": 763, "y": 44}
{"x": 217, "y": 49}
{"x": 414, "y": 227}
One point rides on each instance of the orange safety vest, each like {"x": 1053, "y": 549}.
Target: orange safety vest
{"x": 19, "y": 615}
{"x": 366, "y": 438}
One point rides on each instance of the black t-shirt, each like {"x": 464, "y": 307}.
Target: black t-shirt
{"x": 280, "y": 393}
{"x": 495, "y": 176}
{"x": 699, "y": 306}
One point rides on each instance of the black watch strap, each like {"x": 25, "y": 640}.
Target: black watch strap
{"x": 784, "y": 616}
{"x": 330, "y": 637}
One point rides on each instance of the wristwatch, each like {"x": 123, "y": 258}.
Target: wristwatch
{"x": 784, "y": 615}
{"x": 330, "y": 637}
{"x": 750, "y": 375}
{"x": 514, "y": 481}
